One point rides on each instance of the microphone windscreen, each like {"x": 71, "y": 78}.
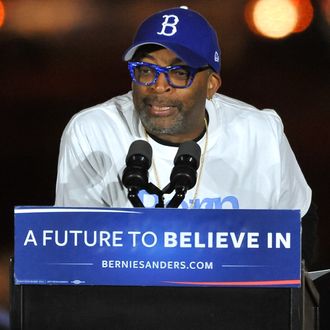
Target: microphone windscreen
{"x": 189, "y": 148}
{"x": 142, "y": 148}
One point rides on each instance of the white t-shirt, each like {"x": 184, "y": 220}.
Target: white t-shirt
{"x": 248, "y": 163}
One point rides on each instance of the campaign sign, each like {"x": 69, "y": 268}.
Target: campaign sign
{"x": 157, "y": 247}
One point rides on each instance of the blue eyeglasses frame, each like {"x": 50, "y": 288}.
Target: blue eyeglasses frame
{"x": 161, "y": 69}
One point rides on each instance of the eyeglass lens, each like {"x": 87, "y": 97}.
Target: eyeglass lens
{"x": 177, "y": 76}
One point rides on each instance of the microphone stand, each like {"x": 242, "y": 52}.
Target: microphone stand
{"x": 151, "y": 189}
{"x": 133, "y": 197}
{"x": 180, "y": 194}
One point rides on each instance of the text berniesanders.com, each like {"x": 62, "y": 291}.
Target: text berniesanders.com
{"x": 142, "y": 264}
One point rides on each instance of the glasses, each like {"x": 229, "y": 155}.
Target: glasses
{"x": 177, "y": 76}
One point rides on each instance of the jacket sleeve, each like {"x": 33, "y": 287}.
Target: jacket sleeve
{"x": 294, "y": 191}
{"x": 81, "y": 169}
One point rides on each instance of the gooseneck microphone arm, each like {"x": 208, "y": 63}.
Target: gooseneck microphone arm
{"x": 183, "y": 176}
{"x": 134, "y": 197}
{"x": 154, "y": 190}
{"x": 135, "y": 175}
{"x": 184, "y": 173}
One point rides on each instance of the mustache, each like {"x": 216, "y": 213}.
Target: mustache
{"x": 161, "y": 102}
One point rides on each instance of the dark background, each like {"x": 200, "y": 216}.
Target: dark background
{"x": 50, "y": 73}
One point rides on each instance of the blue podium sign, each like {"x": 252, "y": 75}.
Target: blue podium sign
{"x": 157, "y": 247}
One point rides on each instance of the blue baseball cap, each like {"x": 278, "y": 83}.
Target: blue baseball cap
{"x": 183, "y": 31}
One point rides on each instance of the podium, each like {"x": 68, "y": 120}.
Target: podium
{"x": 129, "y": 307}
{"x": 52, "y": 306}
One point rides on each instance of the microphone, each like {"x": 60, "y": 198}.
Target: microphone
{"x": 184, "y": 174}
{"x": 135, "y": 175}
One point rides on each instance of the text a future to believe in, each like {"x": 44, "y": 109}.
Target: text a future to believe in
{"x": 150, "y": 239}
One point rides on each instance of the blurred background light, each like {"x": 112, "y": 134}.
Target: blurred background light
{"x": 31, "y": 17}
{"x": 274, "y": 18}
{"x": 325, "y": 6}
{"x": 2, "y": 14}
{"x": 305, "y": 14}
{"x": 278, "y": 19}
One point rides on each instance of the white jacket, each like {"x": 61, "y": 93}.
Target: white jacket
{"x": 248, "y": 162}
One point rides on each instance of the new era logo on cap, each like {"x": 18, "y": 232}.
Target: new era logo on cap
{"x": 216, "y": 57}
{"x": 185, "y": 32}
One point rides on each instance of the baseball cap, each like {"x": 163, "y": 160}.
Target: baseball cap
{"x": 183, "y": 31}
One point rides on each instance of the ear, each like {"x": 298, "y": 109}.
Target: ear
{"x": 213, "y": 84}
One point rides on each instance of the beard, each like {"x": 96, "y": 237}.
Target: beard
{"x": 160, "y": 125}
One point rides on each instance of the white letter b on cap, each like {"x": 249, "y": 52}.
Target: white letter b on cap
{"x": 169, "y": 25}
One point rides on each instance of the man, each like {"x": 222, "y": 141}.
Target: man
{"x": 174, "y": 62}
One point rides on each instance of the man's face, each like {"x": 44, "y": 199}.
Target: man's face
{"x": 173, "y": 114}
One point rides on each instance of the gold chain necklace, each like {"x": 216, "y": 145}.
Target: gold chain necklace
{"x": 192, "y": 203}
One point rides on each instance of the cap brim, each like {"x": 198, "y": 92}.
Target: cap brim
{"x": 186, "y": 55}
